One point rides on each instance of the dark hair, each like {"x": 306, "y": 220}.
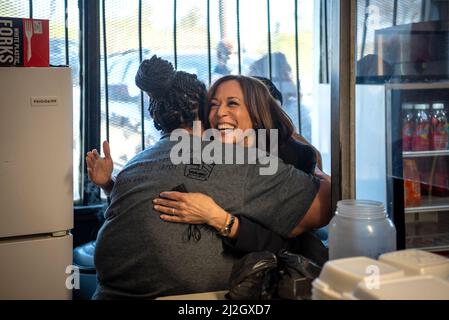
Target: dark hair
{"x": 263, "y": 109}
{"x": 175, "y": 96}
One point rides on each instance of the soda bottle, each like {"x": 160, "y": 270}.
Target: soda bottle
{"x": 421, "y": 132}
{"x": 439, "y": 127}
{"x": 412, "y": 189}
{"x": 408, "y": 119}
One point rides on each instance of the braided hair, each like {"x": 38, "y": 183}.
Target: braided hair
{"x": 175, "y": 96}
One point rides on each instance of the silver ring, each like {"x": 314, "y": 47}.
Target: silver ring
{"x": 173, "y": 211}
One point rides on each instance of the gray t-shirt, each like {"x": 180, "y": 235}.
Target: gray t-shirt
{"x": 140, "y": 256}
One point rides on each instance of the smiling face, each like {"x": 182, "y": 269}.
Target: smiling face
{"x": 228, "y": 111}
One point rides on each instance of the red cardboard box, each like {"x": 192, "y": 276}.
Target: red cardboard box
{"x": 24, "y": 42}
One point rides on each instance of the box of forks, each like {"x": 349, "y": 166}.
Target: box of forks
{"x": 24, "y": 42}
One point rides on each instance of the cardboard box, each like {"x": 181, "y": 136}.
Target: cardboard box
{"x": 24, "y": 42}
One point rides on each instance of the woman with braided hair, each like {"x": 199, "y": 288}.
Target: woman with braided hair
{"x": 139, "y": 255}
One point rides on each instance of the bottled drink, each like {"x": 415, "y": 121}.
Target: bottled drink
{"x": 360, "y": 228}
{"x": 421, "y": 132}
{"x": 408, "y": 120}
{"x": 412, "y": 187}
{"x": 439, "y": 127}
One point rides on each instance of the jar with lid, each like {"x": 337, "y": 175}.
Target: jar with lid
{"x": 360, "y": 228}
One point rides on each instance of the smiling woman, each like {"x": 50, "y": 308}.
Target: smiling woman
{"x": 245, "y": 103}
{"x": 228, "y": 111}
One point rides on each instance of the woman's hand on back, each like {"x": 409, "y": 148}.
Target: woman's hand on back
{"x": 193, "y": 208}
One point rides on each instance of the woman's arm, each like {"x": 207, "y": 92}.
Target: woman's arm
{"x": 193, "y": 208}
{"x": 198, "y": 208}
{"x": 319, "y": 213}
{"x": 253, "y": 237}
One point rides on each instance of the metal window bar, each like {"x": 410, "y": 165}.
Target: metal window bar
{"x": 270, "y": 66}
{"x": 395, "y": 12}
{"x": 91, "y": 118}
{"x": 239, "y": 49}
{"x": 81, "y": 99}
{"x": 66, "y": 32}
{"x": 174, "y": 35}
{"x": 105, "y": 64}
{"x": 142, "y": 109}
{"x": 30, "y": 5}
{"x": 298, "y": 84}
{"x": 324, "y": 40}
{"x": 209, "y": 55}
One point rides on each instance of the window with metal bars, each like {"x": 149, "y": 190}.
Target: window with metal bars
{"x": 210, "y": 38}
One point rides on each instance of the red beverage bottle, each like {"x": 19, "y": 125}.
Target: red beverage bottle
{"x": 408, "y": 119}
{"x": 412, "y": 188}
{"x": 421, "y": 132}
{"x": 439, "y": 127}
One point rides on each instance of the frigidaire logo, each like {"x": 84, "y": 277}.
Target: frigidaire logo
{"x": 44, "y": 101}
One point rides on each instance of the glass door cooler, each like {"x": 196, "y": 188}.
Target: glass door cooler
{"x": 417, "y": 157}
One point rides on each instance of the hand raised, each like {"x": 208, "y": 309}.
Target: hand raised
{"x": 100, "y": 168}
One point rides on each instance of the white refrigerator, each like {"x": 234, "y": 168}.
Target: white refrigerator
{"x": 36, "y": 188}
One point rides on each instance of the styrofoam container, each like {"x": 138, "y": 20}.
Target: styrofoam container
{"x": 418, "y": 262}
{"x": 339, "y": 278}
{"x": 321, "y": 291}
{"x": 406, "y": 288}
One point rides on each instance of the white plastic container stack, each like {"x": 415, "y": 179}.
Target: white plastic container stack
{"x": 339, "y": 277}
{"x": 418, "y": 262}
{"x": 406, "y": 288}
{"x": 401, "y": 275}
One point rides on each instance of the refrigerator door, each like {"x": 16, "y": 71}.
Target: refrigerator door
{"x": 36, "y": 268}
{"x": 36, "y": 159}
